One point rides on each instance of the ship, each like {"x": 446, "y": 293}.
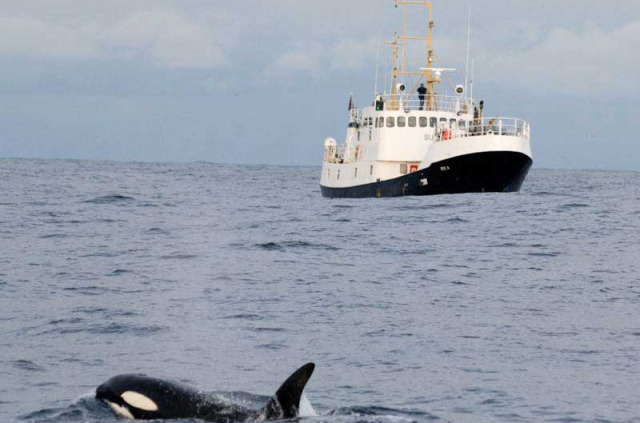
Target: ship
{"x": 413, "y": 139}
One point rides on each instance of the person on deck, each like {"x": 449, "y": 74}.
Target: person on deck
{"x": 422, "y": 91}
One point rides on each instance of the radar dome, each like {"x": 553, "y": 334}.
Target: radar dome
{"x": 330, "y": 142}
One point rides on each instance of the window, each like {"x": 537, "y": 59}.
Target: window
{"x": 402, "y": 121}
{"x": 433, "y": 122}
{"x": 391, "y": 122}
{"x": 358, "y": 135}
{"x": 443, "y": 120}
{"x": 462, "y": 124}
{"x": 412, "y": 121}
{"x": 403, "y": 169}
{"x": 423, "y": 122}
{"x": 338, "y": 173}
{"x": 452, "y": 123}
{"x": 356, "y": 174}
{"x": 371, "y": 170}
{"x": 370, "y": 121}
{"x": 380, "y": 122}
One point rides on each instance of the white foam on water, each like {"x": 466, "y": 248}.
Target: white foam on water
{"x": 306, "y": 409}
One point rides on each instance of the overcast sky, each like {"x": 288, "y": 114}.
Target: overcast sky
{"x": 265, "y": 81}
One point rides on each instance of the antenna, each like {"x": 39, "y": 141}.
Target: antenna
{"x": 466, "y": 71}
{"x": 438, "y": 71}
{"x": 471, "y": 93}
{"x": 375, "y": 87}
{"x": 386, "y": 70}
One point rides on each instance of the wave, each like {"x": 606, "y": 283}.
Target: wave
{"x": 377, "y": 414}
{"x": 571, "y": 206}
{"x": 85, "y": 409}
{"x": 245, "y": 316}
{"x": 104, "y": 329}
{"x": 53, "y": 236}
{"x": 27, "y": 365}
{"x": 157, "y": 231}
{"x": 178, "y": 256}
{"x": 281, "y": 246}
{"x": 110, "y": 199}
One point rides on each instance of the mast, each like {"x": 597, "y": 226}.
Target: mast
{"x": 393, "y": 102}
{"x": 427, "y": 74}
{"x": 466, "y": 68}
{"x": 430, "y": 79}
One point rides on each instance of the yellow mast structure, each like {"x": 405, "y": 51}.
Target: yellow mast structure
{"x": 393, "y": 103}
{"x": 427, "y": 74}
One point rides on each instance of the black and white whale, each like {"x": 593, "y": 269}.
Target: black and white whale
{"x": 143, "y": 397}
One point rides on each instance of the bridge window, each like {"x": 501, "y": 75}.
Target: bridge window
{"x": 462, "y": 124}
{"x": 412, "y": 121}
{"x": 423, "y": 122}
{"x": 391, "y": 122}
{"x": 433, "y": 122}
{"x": 453, "y": 123}
{"x": 381, "y": 122}
{"x": 402, "y": 121}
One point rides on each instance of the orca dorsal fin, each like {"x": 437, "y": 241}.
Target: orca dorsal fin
{"x": 286, "y": 403}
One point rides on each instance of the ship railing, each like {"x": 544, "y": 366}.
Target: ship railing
{"x": 509, "y": 127}
{"x": 436, "y": 103}
{"x": 334, "y": 154}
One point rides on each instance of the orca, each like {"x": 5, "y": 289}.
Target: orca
{"x": 146, "y": 398}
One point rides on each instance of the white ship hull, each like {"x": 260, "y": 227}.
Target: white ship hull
{"x": 481, "y": 158}
{"x": 499, "y": 168}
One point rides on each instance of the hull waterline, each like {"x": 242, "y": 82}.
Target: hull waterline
{"x": 501, "y": 171}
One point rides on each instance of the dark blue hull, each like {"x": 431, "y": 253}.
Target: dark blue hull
{"x": 499, "y": 171}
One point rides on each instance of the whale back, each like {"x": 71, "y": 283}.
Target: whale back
{"x": 286, "y": 403}
{"x": 142, "y": 397}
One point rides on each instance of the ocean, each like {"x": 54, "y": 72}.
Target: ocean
{"x": 467, "y": 308}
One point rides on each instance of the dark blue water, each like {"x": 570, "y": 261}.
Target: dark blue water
{"x": 469, "y": 308}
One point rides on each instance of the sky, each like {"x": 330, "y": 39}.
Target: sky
{"x": 266, "y": 81}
